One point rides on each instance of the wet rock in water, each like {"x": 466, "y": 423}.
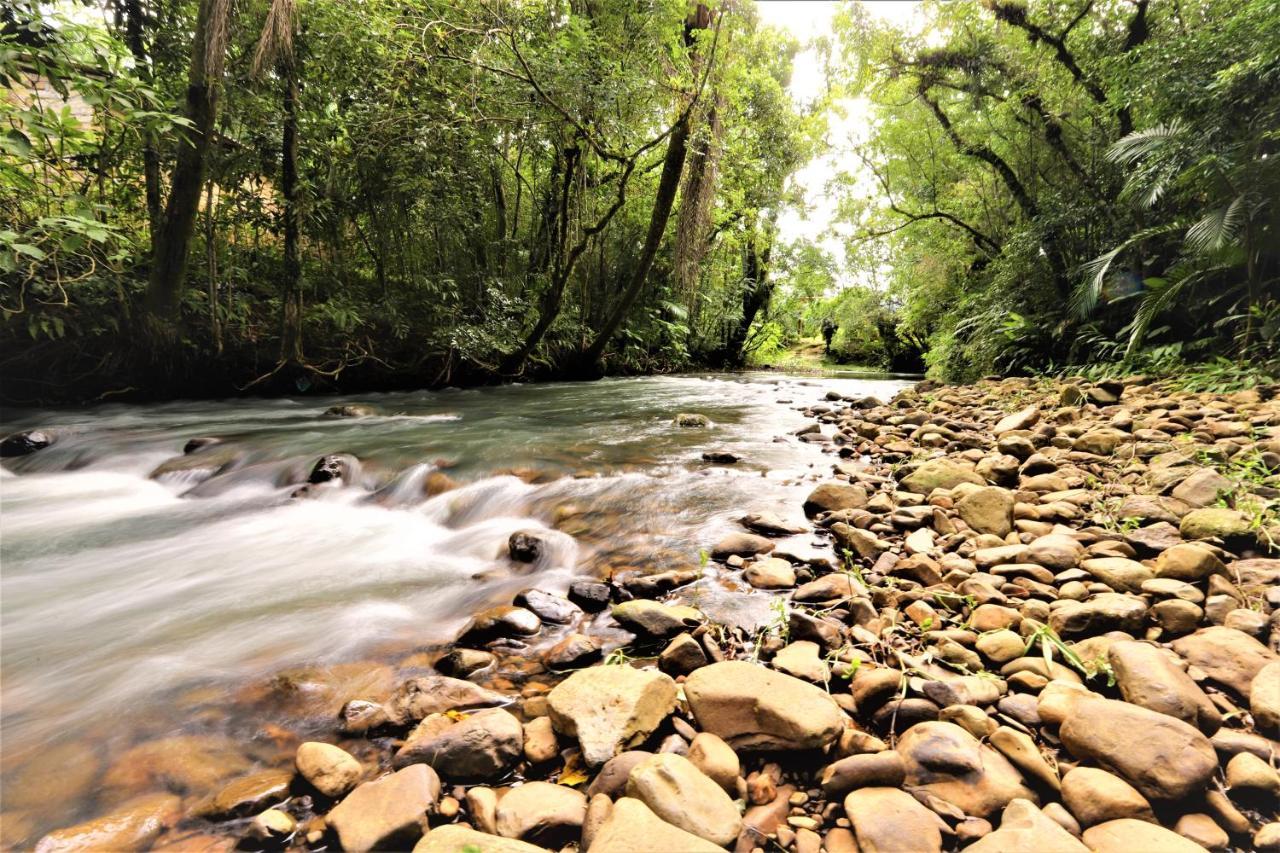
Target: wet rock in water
{"x": 574, "y": 650}
{"x": 741, "y": 545}
{"x": 199, "y": 443}
{"x": 590, "y": 595}
{"x": 889, "y": 820}
{"x": 247, "y": 794}
{"x": 632, "y": 827}
{"x": 1228, "y": 657}
{"x": 1128, "y": 835}
{"x": 946, "y": 761}
{"x": 720, "y": 457}
{"x": 771, "y": 524}
{"x": 770, "y": 573}
{"x": 460, "y": 838}
{"x": 608, "y": 708}
{"x": 390, "y": 812}
{"x": 835, "y": 496}
{"x": 360, "y": 716}
{"x": 941, "y": 473}
{"x": 501, "y": 621}
{"x": 754, "y": 708}
{"x": 541, "y": 811}
{"x": 548, "y": 607}
{"x": 329, "y": 769}
{"x": 133, "y": 826}
{"x": 480, "y": 747}
{"x": 337, "y": 466}
{"x": 1151, "y": 678}
{"x": 25, "y": 443}
{"x": 194, "y": 764}
{"x": 64, "y": 772}
{"x": 1096, "y": 796}
{"x": 682, "y": 656}
{"x": 272, "y": 827}
{"x": 461, "y": 662}
{"x": 526, "y": 546}
{"x": 350, "y": 410}
{"x": 678, "y": 792}
{"x": 436, "y": 694}
{"x": 653, "y": 586}
{"x": 692, "y": 421}
{"x": 654, "y": 619}
{"x": 1161, "y": 756}
{"x": 1023, "y": 826}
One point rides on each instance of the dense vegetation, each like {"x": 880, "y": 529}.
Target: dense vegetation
{"x": 1073, "y": 184}
{"x": 277, "y": 194}
{"x": 210, "y": 196}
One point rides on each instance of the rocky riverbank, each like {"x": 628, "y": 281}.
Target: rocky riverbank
{"x": 1010, "y": 616}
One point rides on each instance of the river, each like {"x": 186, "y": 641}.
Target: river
{"x": 145, "y": 593}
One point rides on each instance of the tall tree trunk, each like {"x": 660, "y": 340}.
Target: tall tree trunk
{"x": 211, "y": 268}
{"x": 135, "y": 38}
{"x": 173, "y": 240}
{"x": 291, "y": 296}
{"x": 757, "y": 291}
{"x": 672, "y": 166}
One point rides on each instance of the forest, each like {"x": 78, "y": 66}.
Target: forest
{"x": 212, "y": 197}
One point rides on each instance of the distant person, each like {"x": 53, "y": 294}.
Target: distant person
{"x": 828, "y": 332}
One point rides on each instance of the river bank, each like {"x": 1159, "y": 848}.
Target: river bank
{"x": 1008, "y": 616}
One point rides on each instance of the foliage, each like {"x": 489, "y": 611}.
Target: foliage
{"x": 1073, "y": 183}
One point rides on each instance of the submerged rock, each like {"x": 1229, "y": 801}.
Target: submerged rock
{"x": 26, "y": 443}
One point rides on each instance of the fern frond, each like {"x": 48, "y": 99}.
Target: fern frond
{"x": 1140, "y": 143}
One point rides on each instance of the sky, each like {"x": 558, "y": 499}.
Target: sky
{"x": 807, "y": 20}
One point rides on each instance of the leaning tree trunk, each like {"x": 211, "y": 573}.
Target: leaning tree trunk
{"x": 672, "y": 166}
{"x": 173, "y": 240}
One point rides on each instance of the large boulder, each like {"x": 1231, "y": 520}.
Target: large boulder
{"x": 1218, "y": 522}
{"x": 1264, "y": 698}
{"x": 682, "y": 795}
{"x": 946, "y": 761}
{"x": 889, "y": 820}
{"x": 752, "y": 707}
{"x": 1187, "y": 562}
{"x": 632, "y": 827}
{"x": 1161, "y": 756}
{"x": 1229, "y": 657}
{"x": 1151, "y": 678}
{"x": 940, "y": 474}
{"x": 1119, "y": 573}
{"x": 1024, "y": 827}
{"x": 390, "y": 812}
{"x": 480, "y": 747}
{"x": 24, "y": 443}
{"x": 608, "y": 708}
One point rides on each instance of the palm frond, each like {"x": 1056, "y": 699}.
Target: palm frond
{"x": 1159, "y": 299}
{"x": 1218, "y": 228}
{"x": 1084, "y": 299}
{"x": 1140, "y": 143}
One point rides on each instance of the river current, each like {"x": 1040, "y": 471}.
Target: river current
{"x": 134, "y": 578}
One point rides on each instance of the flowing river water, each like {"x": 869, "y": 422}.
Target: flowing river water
{"x": 147, "y": 594}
